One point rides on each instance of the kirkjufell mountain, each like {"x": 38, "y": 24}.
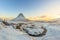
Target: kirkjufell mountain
{"x": 20, "y": 17}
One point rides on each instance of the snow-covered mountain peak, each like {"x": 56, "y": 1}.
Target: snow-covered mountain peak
{"x": 20, "y": 17}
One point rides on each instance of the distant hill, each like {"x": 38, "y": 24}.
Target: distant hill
{"x": 1, "y": 20}
{"x": 56, "y": 20}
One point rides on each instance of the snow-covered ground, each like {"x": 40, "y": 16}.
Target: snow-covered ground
{"x": 9, "y": 33}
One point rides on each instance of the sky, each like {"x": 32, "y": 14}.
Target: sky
{"x": 30, "y": 8}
